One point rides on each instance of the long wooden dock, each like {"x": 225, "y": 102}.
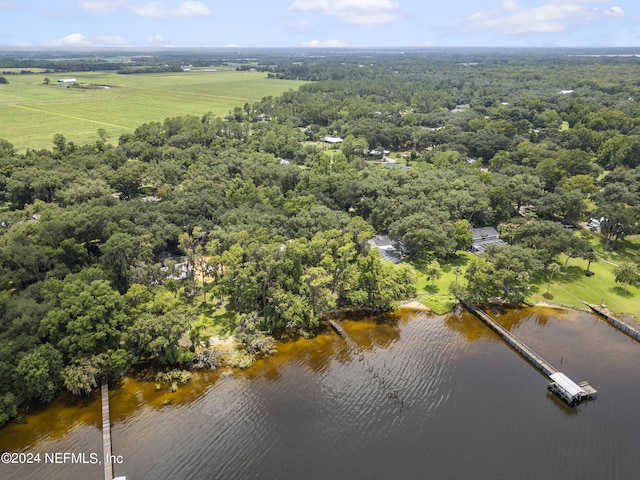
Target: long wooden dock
{"x": 514, "y": 342}
{"x": 616, "y": 322}
{"x": 106, "y": 432}
{"x": 560, "y": 384}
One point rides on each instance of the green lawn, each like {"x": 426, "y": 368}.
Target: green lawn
{"x": 213, "y": 320}
{"x": 438, "y": 298}
{"x": 569, "y": 289}
{"x": 31, "y": 113}
{"x": 574, "y": 287}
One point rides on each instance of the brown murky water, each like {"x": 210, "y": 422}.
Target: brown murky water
{"x": 409, "y": 397}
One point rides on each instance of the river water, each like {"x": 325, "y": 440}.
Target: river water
{"x": 408, "y": 396}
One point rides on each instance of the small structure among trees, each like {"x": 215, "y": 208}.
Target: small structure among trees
{"x": 391, "y": 250}
{"x": 483, "y": 237}
{"x": 332, "y": 140}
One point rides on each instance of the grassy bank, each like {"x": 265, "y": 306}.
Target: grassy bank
{"x": 215, "y": 321}
{"x": 31, "y": 113}
{"x": 435, "y": 295}
{"x": 567, "y": 289}
{"x": 573, "y": 287}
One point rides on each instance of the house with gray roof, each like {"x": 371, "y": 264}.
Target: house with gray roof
{"x": 483, "y": 237}
{"x": 391, "y": 250}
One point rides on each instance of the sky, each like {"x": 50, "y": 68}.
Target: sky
{"x": 319, "y": 23}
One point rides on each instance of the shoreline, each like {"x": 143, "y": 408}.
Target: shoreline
{"x": 416, "y": 305}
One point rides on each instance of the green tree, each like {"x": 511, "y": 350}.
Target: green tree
{"x": 159, "y": 336}
{"x": 60, "y": 143}
{"x": 458, "y": 290}
{"x": 127, "y": 180}
{"x": 193, "y": 246}
{"x": 424, "y": 233}
{"x": 291, "y": 308}
{"x": 351, "y": 146}
{"x": 502, "y": 272}
{"x": 552, "y": 268}
{"x": 88, "y": 318}
{"x": 83, "y": 375}
{"x": 118, "y": 252}
{"x": 8, "y": 407}
{"x": 574, "y": 248}
{"x": 590, "y": 256}
{"x": 316, "y": 281}
{"x": 462, "y": 234}
{"x": 433, "y": 272}
{"x": 567, "y": 204}
{"x": 6, "y": 149}
{"x": 457, "y": 271}
{"x": 39, "y": 373}
{"x": 380, "y": 285}
{"x": 626, "y": 274}
{"x": 481, "y": 284}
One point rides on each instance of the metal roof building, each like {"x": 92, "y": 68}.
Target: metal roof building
{"x": 483, "y": 237}
{"x": 566, "y": 388}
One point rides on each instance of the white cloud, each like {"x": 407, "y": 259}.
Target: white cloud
{"x": 615, "y": 12}
{"x": 360, "y": 12}
{"x": 427, "y": 43}
{"x": 324, "y": 44}
{"x": 190, "y": 8}
{"x": 551, "y": 17}
{"x": 157, "y": 39}
{"x": 79, "y": 40}
{"x": 101, "y": 6}
{"x": 232, "y": 45}
{"x": 72, "y": 40}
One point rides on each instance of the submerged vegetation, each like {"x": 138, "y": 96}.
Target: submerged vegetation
{"x": 140, "y": 249}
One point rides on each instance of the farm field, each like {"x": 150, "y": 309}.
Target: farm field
{"x": 31, "y": 113}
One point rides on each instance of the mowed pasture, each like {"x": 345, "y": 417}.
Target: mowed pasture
{"x": 31, "y": 113}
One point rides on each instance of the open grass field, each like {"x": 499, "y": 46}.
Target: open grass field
{"x": 31, "y": 113}
{"x": 574, "y": 287}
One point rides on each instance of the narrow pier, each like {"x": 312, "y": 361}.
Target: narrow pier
{"x": 338, "y": 328}
{"x": 560, "y": 384}
{"x": 616, "y": 322}
{"x": 106, "y": 432}
{"x": 518, "y": 345}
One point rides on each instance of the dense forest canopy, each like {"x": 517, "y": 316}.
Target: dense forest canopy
{"x": 107, "y": 250}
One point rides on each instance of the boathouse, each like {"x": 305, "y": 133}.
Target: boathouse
{"x": 565, "y": 388}
{"x": 568, "y": 390}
